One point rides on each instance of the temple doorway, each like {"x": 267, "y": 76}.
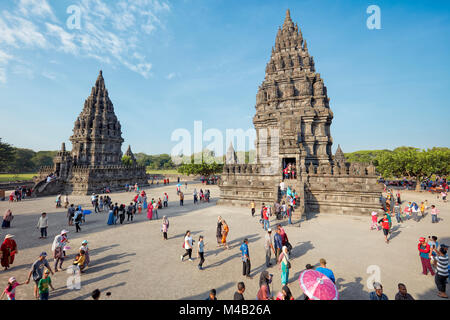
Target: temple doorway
{"x": 289, "y": 168}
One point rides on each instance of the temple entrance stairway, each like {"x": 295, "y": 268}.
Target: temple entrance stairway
{"x": 299, "y": 187}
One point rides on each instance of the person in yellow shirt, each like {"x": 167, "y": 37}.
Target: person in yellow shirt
{"x": 79, "y": 260}
{"x": 422, "y": 210}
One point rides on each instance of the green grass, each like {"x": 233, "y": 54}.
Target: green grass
{"x": 171, "y": 171}
{"x": 7, "y": 177}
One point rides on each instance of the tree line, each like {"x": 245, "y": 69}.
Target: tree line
{"x": 19, "y": 160}
{"x": 410, "y": 162}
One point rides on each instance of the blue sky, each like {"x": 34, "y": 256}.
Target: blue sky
{"x": 169, "y": 63}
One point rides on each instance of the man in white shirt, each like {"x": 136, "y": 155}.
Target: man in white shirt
{"x": 269, "y": 247}
{"x": 282, "y": 188}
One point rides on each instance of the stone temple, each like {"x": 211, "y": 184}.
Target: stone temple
{"x": 95, "y": 161}
{"x": 292, "y": 122}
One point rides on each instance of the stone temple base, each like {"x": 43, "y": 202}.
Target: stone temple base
{"x": 338, "y": 191}
{"x": 84, "y": 180}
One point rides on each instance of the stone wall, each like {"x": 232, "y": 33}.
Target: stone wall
{"x": 92, "y": 179}
{"x": 345, "y": 189}
{"x": 242, "y": 183}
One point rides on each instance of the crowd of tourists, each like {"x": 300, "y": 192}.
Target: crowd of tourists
{"x": 277, "y": 247}
{"x": 289, "y": 171}
{"x": 40, "y": 270}
{"x": 20, "y": 193}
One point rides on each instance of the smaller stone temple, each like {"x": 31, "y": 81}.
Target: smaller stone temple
{"x": 95, "y": 162}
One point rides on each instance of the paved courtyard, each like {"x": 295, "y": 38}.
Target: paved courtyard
{"x": 133, "y": 262}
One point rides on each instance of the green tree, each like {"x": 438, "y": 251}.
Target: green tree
{"x": 23, "y": 162}
{"x": 43, "y": 158}
{"x": 204, "y": 169}
{"x": 414, "y": 163}
{"x": 127, "y": 161}
{"x": 7, "y": 155}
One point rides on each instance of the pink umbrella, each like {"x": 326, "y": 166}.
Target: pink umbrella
{"x": 317, "y": 286}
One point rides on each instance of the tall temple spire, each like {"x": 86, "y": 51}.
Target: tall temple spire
{"x": 288, "y": 21}
{"x": 96, "y": 127}
{"x": 130, "y": 154}
{"x": 292, "y": 85}
{"x": 231, "y": 157}
{"x": 339, "y": 156}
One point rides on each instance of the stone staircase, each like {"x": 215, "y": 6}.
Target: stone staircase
{"x": 299, "y": 187}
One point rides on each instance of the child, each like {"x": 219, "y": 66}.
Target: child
{"x": 422, "y": 210}
{"x": 432, "y": 241}
{"x": 80, "y": 260}
{"x": 374, "y": 221}
{"x": 201, "y": 252}
{"x": 406, "y": 211}
{"x": 434, "y": 213}
{"x": 85, "y": 248}
{"x": 43, "y": 285}
{"x": 10, "y": 290}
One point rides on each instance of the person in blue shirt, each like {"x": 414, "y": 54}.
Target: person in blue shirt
{"x": 323, "y": 269}
{"x": 245, "y": 259}
{"x": 378, "y": 293}
{"x": 278, "y": 243}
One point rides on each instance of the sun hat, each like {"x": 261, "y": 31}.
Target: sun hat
{"x": 84, "y": 241}
{"x": 421, "y": 239}
{"x": 377, "y": 285}
{"x": 9, "y": 236}
{"x": 11, "y": 280}
{"x": 43, "y": 254}
{"x": 269, "y": 230}
{"x": 64, "y": 232}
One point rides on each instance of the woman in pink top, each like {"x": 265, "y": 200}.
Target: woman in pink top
{"x": 434, "y": 213}
{"x": 10, "y": 290}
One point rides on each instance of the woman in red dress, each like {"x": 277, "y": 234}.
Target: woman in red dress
{"x": 8, "y": 251}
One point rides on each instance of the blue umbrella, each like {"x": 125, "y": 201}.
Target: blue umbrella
{"x": 87, "y": 211}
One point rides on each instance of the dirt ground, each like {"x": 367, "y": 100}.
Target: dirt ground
{"x": 133, "y": 262}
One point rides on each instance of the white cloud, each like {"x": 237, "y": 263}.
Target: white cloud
{"x": 4, "y": 57}
{"x": 111, "y": 32}
{"x": 39, "y": 8}
{"x": 170, "y": 76}
{"x": 2, "y": 75}
{"x": 23, "y": 70}
{"x": 49, "y": 75}
{"x": 18, "y": 32}
{"x": 65, "y": 38}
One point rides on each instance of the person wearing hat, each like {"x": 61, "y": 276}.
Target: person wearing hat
{"x": 424, "y": 253}
{"x": 8, "y": 251}
{"x": 43, "y": 285}
{"x": 10, "y": 290}
{"x": 37, "y": 271}
{"x": 268, "y": 246}
{"x": 85, "y": 248}
{"x": 58, "y": 249}
{"x": 378, "y": 293}
{"x": 442, "y": 271}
